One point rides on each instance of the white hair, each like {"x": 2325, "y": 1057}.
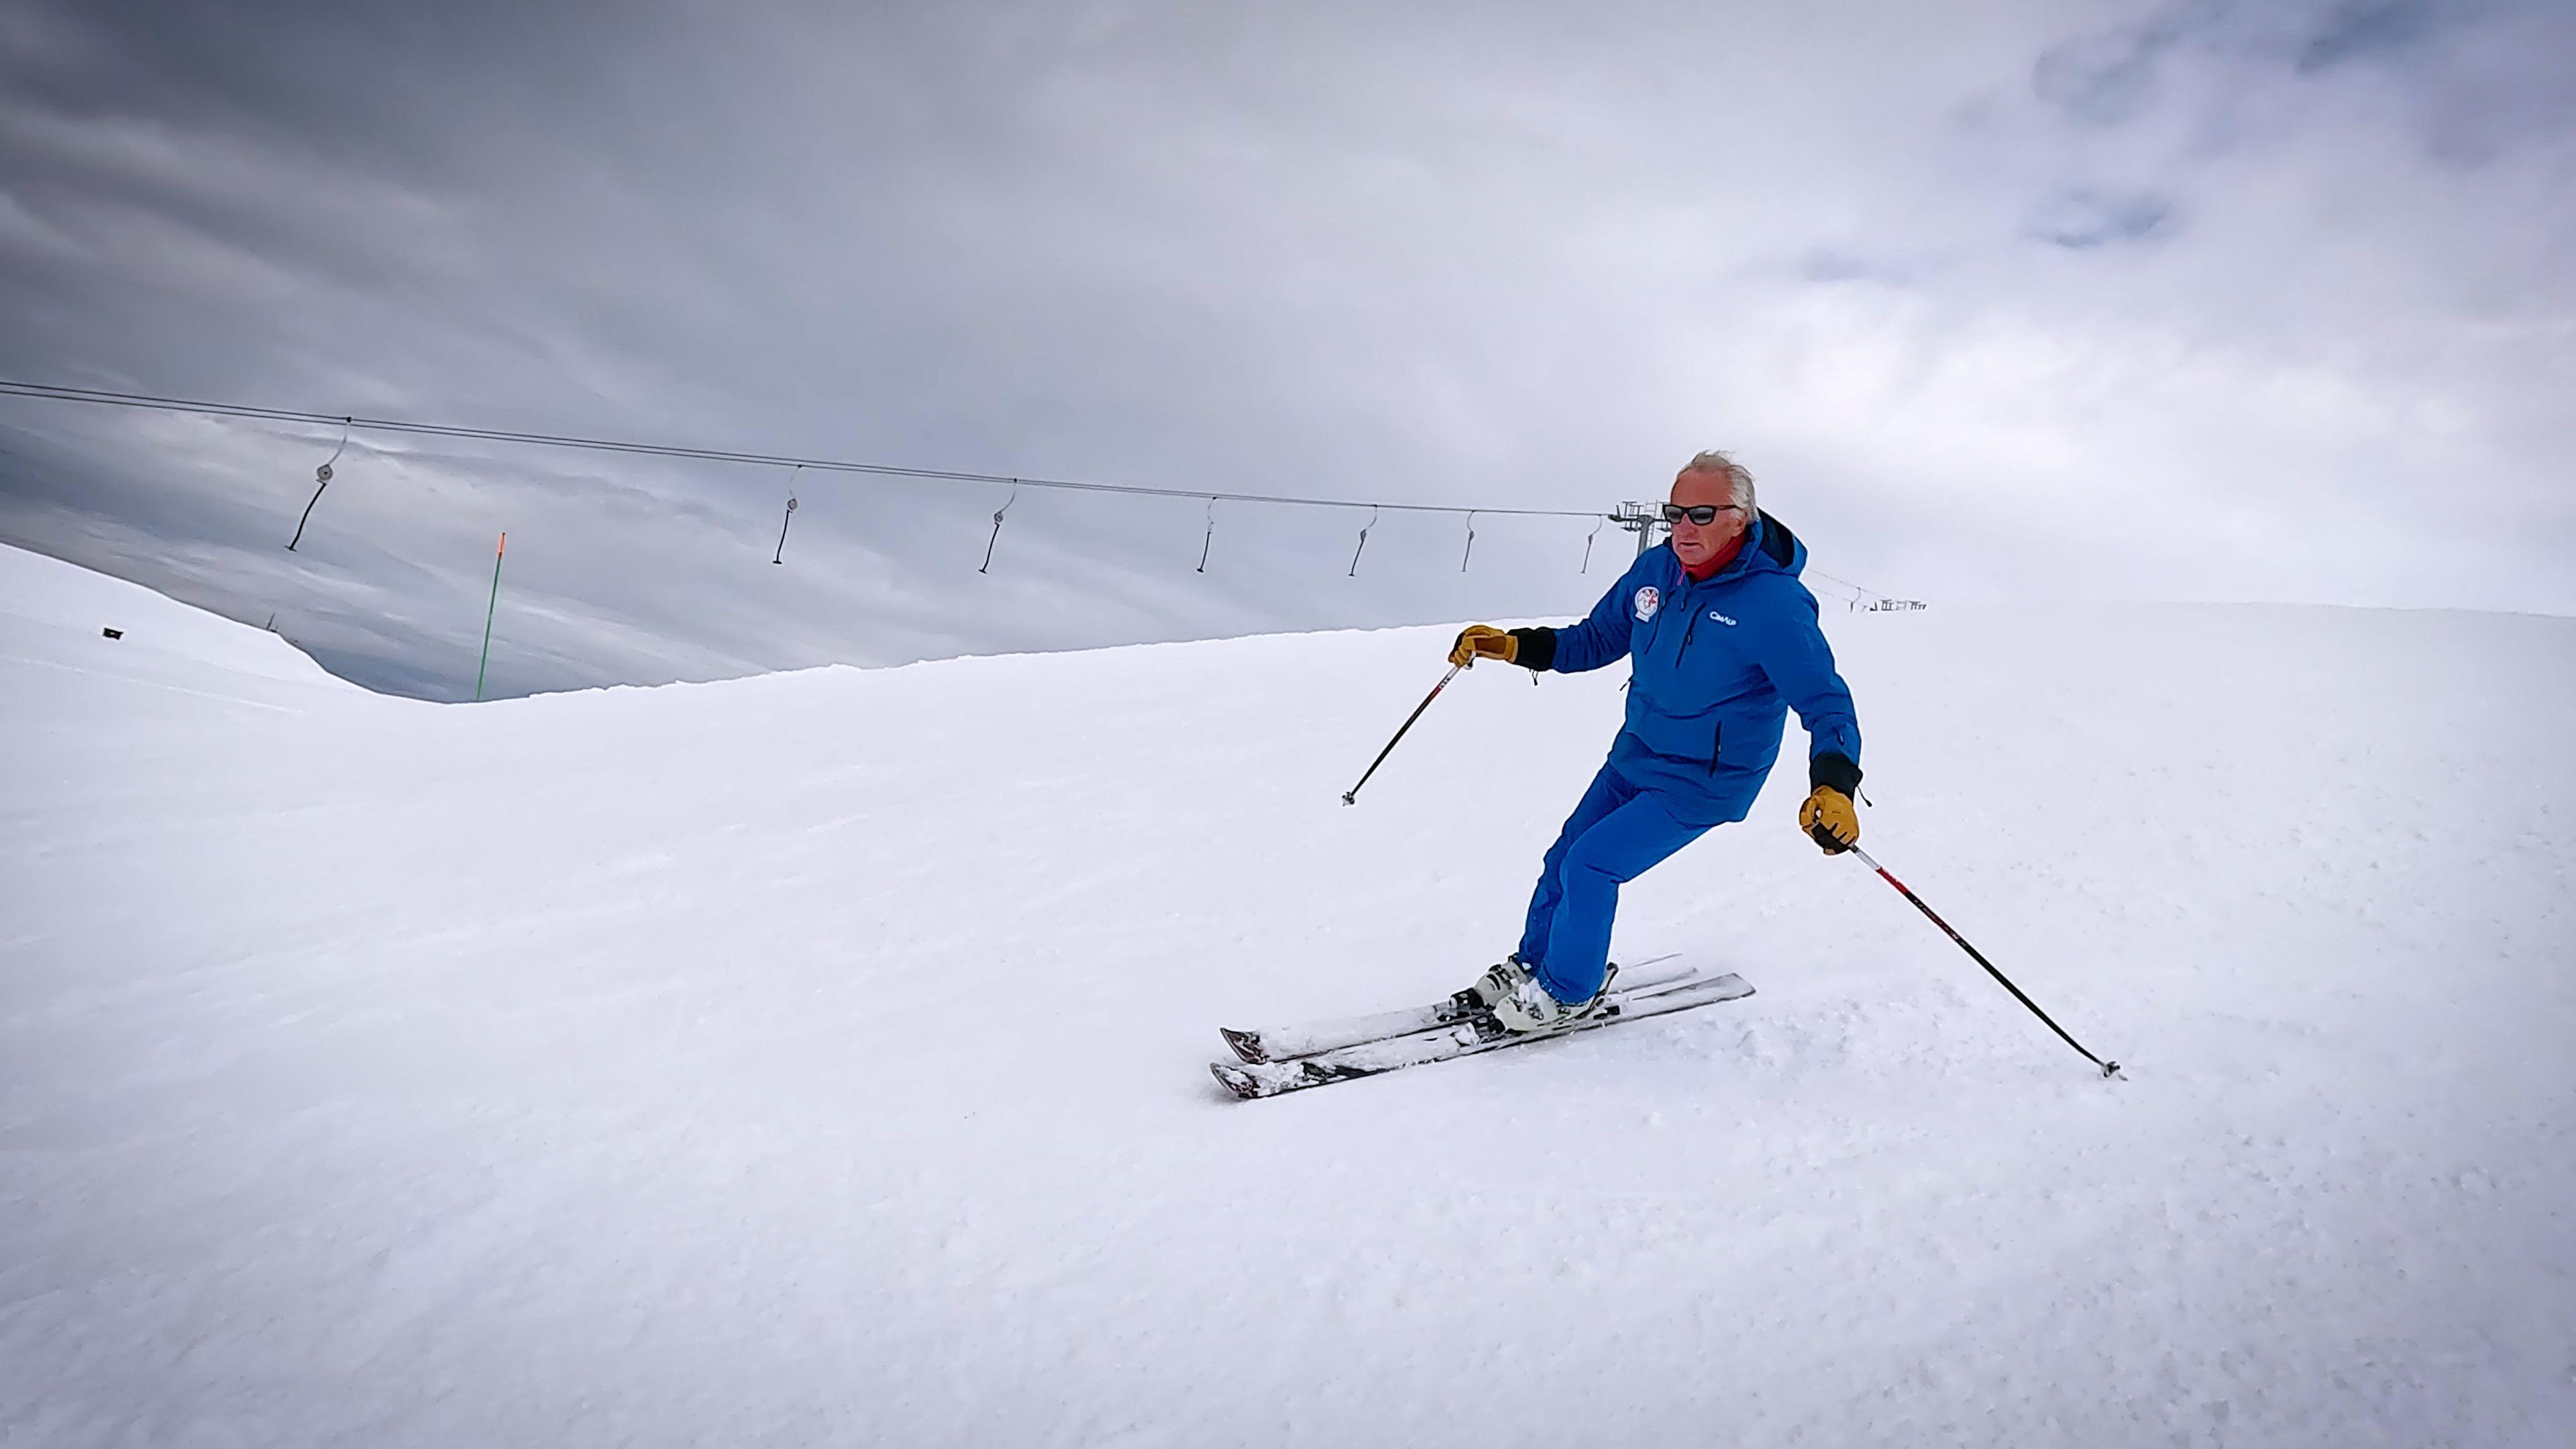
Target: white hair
{"x": 1739, "y": 479}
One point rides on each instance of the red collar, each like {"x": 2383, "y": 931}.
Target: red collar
{"x": 1702, "y": 572}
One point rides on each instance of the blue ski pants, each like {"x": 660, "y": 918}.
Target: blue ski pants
{"x": 1615, "y": 835}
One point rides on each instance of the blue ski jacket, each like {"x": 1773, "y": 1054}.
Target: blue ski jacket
{"x": 1714, "y": 668}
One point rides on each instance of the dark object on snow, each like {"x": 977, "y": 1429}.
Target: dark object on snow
{"x": 113, "y": 633}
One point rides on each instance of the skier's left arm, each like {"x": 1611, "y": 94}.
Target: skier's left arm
{"x": 1800, "y": 664}
{"x": 1596, "y": 639}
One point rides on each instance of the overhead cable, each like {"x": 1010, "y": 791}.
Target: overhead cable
{"x": 54, "y": 392}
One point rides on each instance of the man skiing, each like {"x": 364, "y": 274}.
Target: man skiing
{"x": 1722, "y": 641}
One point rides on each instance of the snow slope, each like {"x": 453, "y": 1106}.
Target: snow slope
{"x": 688, "y": 1065}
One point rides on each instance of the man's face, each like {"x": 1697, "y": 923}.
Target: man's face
{"x": 1695, "y": 543}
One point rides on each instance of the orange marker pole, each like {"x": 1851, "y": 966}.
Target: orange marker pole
{"x": 499, "y": 549}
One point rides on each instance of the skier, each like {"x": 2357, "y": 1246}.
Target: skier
{"x": 1721, "y": 640}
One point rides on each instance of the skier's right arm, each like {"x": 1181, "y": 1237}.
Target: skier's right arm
{"x": 1600, "y": 638}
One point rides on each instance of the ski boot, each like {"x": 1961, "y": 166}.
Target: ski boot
{"x": 1528, "y": 1008}
{"x": 1499, "y": 981}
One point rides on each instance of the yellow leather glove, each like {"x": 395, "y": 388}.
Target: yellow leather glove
{"x": 1483, "y": 641}
{"x": 1829, "y": 819}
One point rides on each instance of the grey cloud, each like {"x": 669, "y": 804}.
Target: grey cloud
{"x": 2106, "y": 77}
{"x": 2113, "y": 76}
{"x": 2080, "y": 220}
{"x": 2359, "y": 31}
{"x": 1835, "y": 264}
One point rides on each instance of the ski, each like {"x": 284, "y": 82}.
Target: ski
{"x": 1458, "y": 1039}
{"x": 1280, "y": 1043}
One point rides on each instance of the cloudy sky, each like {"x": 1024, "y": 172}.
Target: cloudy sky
{"x": 2005, "y": 304}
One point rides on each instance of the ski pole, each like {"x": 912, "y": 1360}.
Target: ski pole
{"x": 2109, "y": 1069}
{"x": 1352, "y": 795}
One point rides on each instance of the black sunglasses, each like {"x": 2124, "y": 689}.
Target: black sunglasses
{"x": 1703, "y": 514}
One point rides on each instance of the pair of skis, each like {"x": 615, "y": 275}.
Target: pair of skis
{"x": 1275, "y": 1060}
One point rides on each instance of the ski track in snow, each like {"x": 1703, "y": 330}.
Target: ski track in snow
{"x": 690, "y": 1065}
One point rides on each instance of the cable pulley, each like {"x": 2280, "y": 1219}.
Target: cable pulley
{"x": 321, "y": 480}
{"x": 997, "y": 527}
{"x": 780, "y": 555}
{"x": 1363, "y": 544}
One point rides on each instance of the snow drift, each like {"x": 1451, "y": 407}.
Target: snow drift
{"x": 819, "y": 1057}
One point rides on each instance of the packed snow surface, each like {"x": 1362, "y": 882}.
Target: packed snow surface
{"x": 821, "y": 1057}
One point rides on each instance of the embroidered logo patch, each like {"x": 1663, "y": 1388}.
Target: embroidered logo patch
{"x": 1648, "y": 601}
{"x": 1716, "y": 617}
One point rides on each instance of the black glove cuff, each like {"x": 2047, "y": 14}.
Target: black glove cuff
{"x": 1537, "y": 648}
{"x": 1836, "y": 770}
